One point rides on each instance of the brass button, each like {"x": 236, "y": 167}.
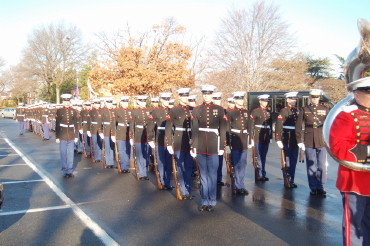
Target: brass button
{"x": 358, "y": 140}
{"x": 355, "y": 119}
{"x": 357, "y": 127}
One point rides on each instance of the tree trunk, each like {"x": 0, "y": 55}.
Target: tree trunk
{"x": 57, "y": 93}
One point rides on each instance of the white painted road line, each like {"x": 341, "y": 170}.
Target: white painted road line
{"x": 8, "y": 154}
{"x": 98, "y": 231}
{"x": 22, "y": 181}
{"x": 12, "y": 165}
{"x": 34, "y": 210}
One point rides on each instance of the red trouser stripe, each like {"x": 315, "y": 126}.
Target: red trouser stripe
{"x": 347, "y": 220}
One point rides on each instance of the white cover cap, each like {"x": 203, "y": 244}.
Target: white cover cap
{"x": 360, "y": 84}
{"x": 291, "y": 94}
{"x": 183, "y": 91}
{"x": 216, "y": 94}
{"x": 125, "y": 98}
{"x": 315, "y": 92}
{"x": 208, "y": 88}
{"x": 165, "y": 94}
{"x": 66, "y": 97}
{"x": 238, "y": 94}
{"x": 263, "y": 97}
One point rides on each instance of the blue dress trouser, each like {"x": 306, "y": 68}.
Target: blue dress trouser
{"x": 164, "y": 161}
{"x": 109, "y": 151}
{"x": 124, "y": 149}
{"x": 97, "y": 146}
{"x": 291, "y": 158}
{"x": 21, "y": 127}
{"x": 208, "y": 165}
{"x": 141, "y": 159}
{"x": 87, "y": 143}
{"x": 79, "y": 143}
{"x": 316, "y": 159}
{"x": 184, "y": 164}
{"x": 66, "y": 156}
{"x": 261, "y": 151}
{"x": 356, "y": 219}
{"x": 240, "y": 165}
{"x": 45, "y": 128}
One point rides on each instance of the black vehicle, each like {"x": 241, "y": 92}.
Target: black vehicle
{"x": 277, "y": 100}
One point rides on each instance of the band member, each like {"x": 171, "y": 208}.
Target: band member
{"x": 155, "y": 102}
{"x": 157, "y": 136}
{"x": 178, "y": 141}
{"x": 216, "y": 97}
{"x": 108, "y": 131}
{"x": 140, "y": 120}
{"x": 312, "y": 118}
{"x": 20, "y": 114}
{"x": 85, "y": 119}
{"x": 349, "y": 141}
{"x": 261, "y": 130}
{"x": 94, "y": 130}
{"x": 66, "y": 135}
{"x": 122, "y": 134}
{"x": 240, "y": 141}
{"x": 285, "y": 134}
{"x": 209, "y": 135}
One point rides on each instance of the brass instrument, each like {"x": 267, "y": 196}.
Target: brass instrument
{"x": 117, "y": 156}
{"x": 357, "y": 63}
{"x": 283, "y": 169}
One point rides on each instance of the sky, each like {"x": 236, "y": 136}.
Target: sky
{"x": 322, "y": 28}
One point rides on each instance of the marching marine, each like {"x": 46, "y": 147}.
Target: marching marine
{"x": 311, "y": 118}
{"x": 285, "y": 134}
{"x": 66, "y": 135}
{"x": 20, "y": 117}
{"x": 208, "y": 141}
{"x": 123, "y": 116}
{"x": 261, "y": 130}
{"x": 94, "y": 131}
{"x": 177, "y": 140}
{"x": 108, "y": 132}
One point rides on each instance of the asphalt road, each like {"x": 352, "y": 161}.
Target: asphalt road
{"x": 101, "y": 207}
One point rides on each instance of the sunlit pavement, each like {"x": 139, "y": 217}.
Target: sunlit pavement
{"x": 99, "y": 206}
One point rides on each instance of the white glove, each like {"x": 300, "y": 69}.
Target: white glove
{"x": 131, "y": 142}
{"x": 113, "y": 138}
{"x": 270, "y": 140}
{"x": 221, "y": 152}
{"x": 280, "y": 144}
{"x": 76, "y": 139}
{"x": 151, "y": 144}
{"x": 170, "y": 150}
{"x": 101, "y": 135}
{"x": 301, "y": 145}
{"x": 88, "y": 133}
{"x": 57, "y": 140}
{"x": 80, "y": 131}
{"x": 193, "y": 152}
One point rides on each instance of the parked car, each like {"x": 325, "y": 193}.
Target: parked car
{"x": 8, "y": 113}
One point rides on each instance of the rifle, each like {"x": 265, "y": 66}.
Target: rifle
{"x": 301, "y": 155}
{"x": 229, "y": 165}
{"x": 226, "y": 156}
{"x": 257, "y": 176}
{"x": 157, "y": 174}
{"x": 83, "y": 144}
{"x": 135, "y": 165}
{"x": 92, "y": 151}
{"x": 174, "y": 167}
{"x": 117, "y": 157}
{"x": 198, "y": 176}
{"x": 1, "y": 195}
{"x": 103, "y": 153}
{"x": 283, "y": 169}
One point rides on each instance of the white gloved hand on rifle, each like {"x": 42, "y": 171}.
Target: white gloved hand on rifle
{"x": 88, "y": 133}
{"x": 80, "y": 131}
{"x": 221, "y": 152}
{"x": 193, "y": 152}
{"x": 113, "y": 138}
{"x": 131, "y": 141}
{"x": 301, "y": 145}
{"x": 170, "y": 150}
{"x": 101, "y": 135}
{"x": 280, "y": 144}
{"x": 151, "y": 144}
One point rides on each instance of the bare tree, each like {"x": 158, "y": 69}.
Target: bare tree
{"x": 3, "y": 77}
{"x": 54, "y": 51}
{"x": 246, "y": 43}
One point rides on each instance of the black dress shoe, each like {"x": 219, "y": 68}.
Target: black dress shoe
{"x": 321, "y": 192}
{"x": 203, "y": 208}
{"x": 144, "y": 178}
{"x": 313, "y": 192}
{"x": 260, "y": 179}
{"x": 266, "y": 179}
{"x": 111, "y": 167}
{"x": 210, "y": 208}
{"x": 293, "y": 185}
{"x": 187, "y": 197}
{"x": 80, "y": 153}
{"x": 69, "y": 175}
{"x": 220, "y": 183}
{"x": 96, "y": 161}
{"x": 125, "y": 171}
{"x": 167, "y": 187}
